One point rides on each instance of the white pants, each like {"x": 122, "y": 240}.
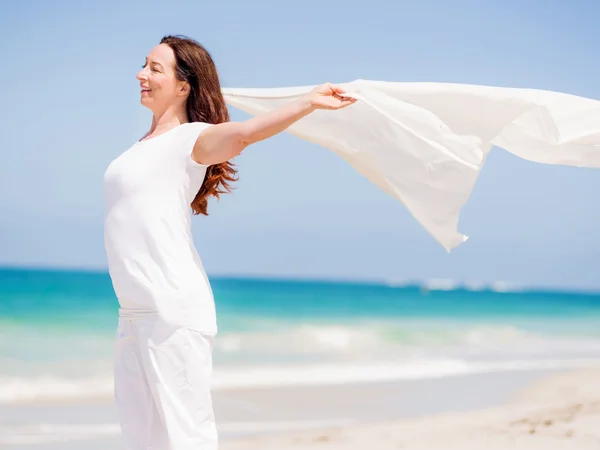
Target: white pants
{"x": 162, "y": 385}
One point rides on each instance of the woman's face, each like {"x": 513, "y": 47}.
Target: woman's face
{"x": 159, "y": 87}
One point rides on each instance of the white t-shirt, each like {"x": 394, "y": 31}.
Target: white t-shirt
{"x": 152, "y": 261}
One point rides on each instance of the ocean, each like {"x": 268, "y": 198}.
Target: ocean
{"x": 57, "y": 330}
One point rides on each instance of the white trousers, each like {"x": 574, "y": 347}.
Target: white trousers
{"x": 162, "y": 385}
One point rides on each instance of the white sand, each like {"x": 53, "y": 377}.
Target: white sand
{"x": 557, "y": 411}
{"x": 560, "y": 412}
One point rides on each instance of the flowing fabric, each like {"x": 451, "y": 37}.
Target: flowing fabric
{"x": 425, "y": 143}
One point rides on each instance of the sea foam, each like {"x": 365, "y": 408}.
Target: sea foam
{"x": 53, "y": 389}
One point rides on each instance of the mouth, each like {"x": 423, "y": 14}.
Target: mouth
{"x": 145, "y": 90}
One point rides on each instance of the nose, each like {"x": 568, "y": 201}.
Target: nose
{"x": 141, "y": 75}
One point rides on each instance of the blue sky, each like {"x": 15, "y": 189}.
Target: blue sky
{"x": 70, "y": 104}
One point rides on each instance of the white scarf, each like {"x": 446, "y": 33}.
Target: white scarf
{"x": 425, "y": 143}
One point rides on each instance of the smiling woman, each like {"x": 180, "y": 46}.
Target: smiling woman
{"x": 422, "y": 143}
{"x": 180, "y": 70}
{"x": 167, "y": 318}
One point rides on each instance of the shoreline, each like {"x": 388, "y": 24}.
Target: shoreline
{"x": 279, "y": 414}
{"x": 560, "y": 411}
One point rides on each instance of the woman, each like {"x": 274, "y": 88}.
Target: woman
{"x": 167, "y": 320}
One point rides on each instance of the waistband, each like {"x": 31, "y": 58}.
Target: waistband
{"x": 128, "y": 313}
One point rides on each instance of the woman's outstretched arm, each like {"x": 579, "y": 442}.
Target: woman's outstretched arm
{"x": 227, "y": 140}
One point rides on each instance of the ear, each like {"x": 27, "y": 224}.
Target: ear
{"x": 184, "y": 88}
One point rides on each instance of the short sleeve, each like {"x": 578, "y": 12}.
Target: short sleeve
{"x": 192, "y": 131}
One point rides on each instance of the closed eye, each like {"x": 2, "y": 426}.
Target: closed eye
{"x": 153, "y": 68}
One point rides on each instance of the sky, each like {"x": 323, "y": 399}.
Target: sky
{"x": 70, "y": 104}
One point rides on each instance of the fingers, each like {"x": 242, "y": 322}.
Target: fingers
{"x": 347, "y": 102}
{"x": 332, "y": 96}
{"x": 338, "y": 92}
{"x": 336, "y": 89}
{"x": 341, "y": 95}
{"x": 339, "y": 103}
{"x": 343, "y": 101}
{"x": 333, "y": 88}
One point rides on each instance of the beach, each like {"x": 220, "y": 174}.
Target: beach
{"x": 314, "y": 364}
{"x": 558, "y": 412}
{"x": 528, "y": 410}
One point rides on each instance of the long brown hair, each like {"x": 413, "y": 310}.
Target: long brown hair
{"x": 205, "y": 103}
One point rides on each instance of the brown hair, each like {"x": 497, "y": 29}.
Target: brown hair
{"x": 205, "y": 103}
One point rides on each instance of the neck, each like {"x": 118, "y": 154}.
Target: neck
{"x": 168, "y": 119}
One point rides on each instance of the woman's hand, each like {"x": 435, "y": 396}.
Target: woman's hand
{"x": 328, "y": 96}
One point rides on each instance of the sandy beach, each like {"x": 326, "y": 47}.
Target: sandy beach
{"x": 516, "y": 410}
{"x": 558, "y": 412}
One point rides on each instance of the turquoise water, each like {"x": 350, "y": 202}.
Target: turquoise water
{"x": 86, "y": 299}
{"x": 57, "y": 327}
